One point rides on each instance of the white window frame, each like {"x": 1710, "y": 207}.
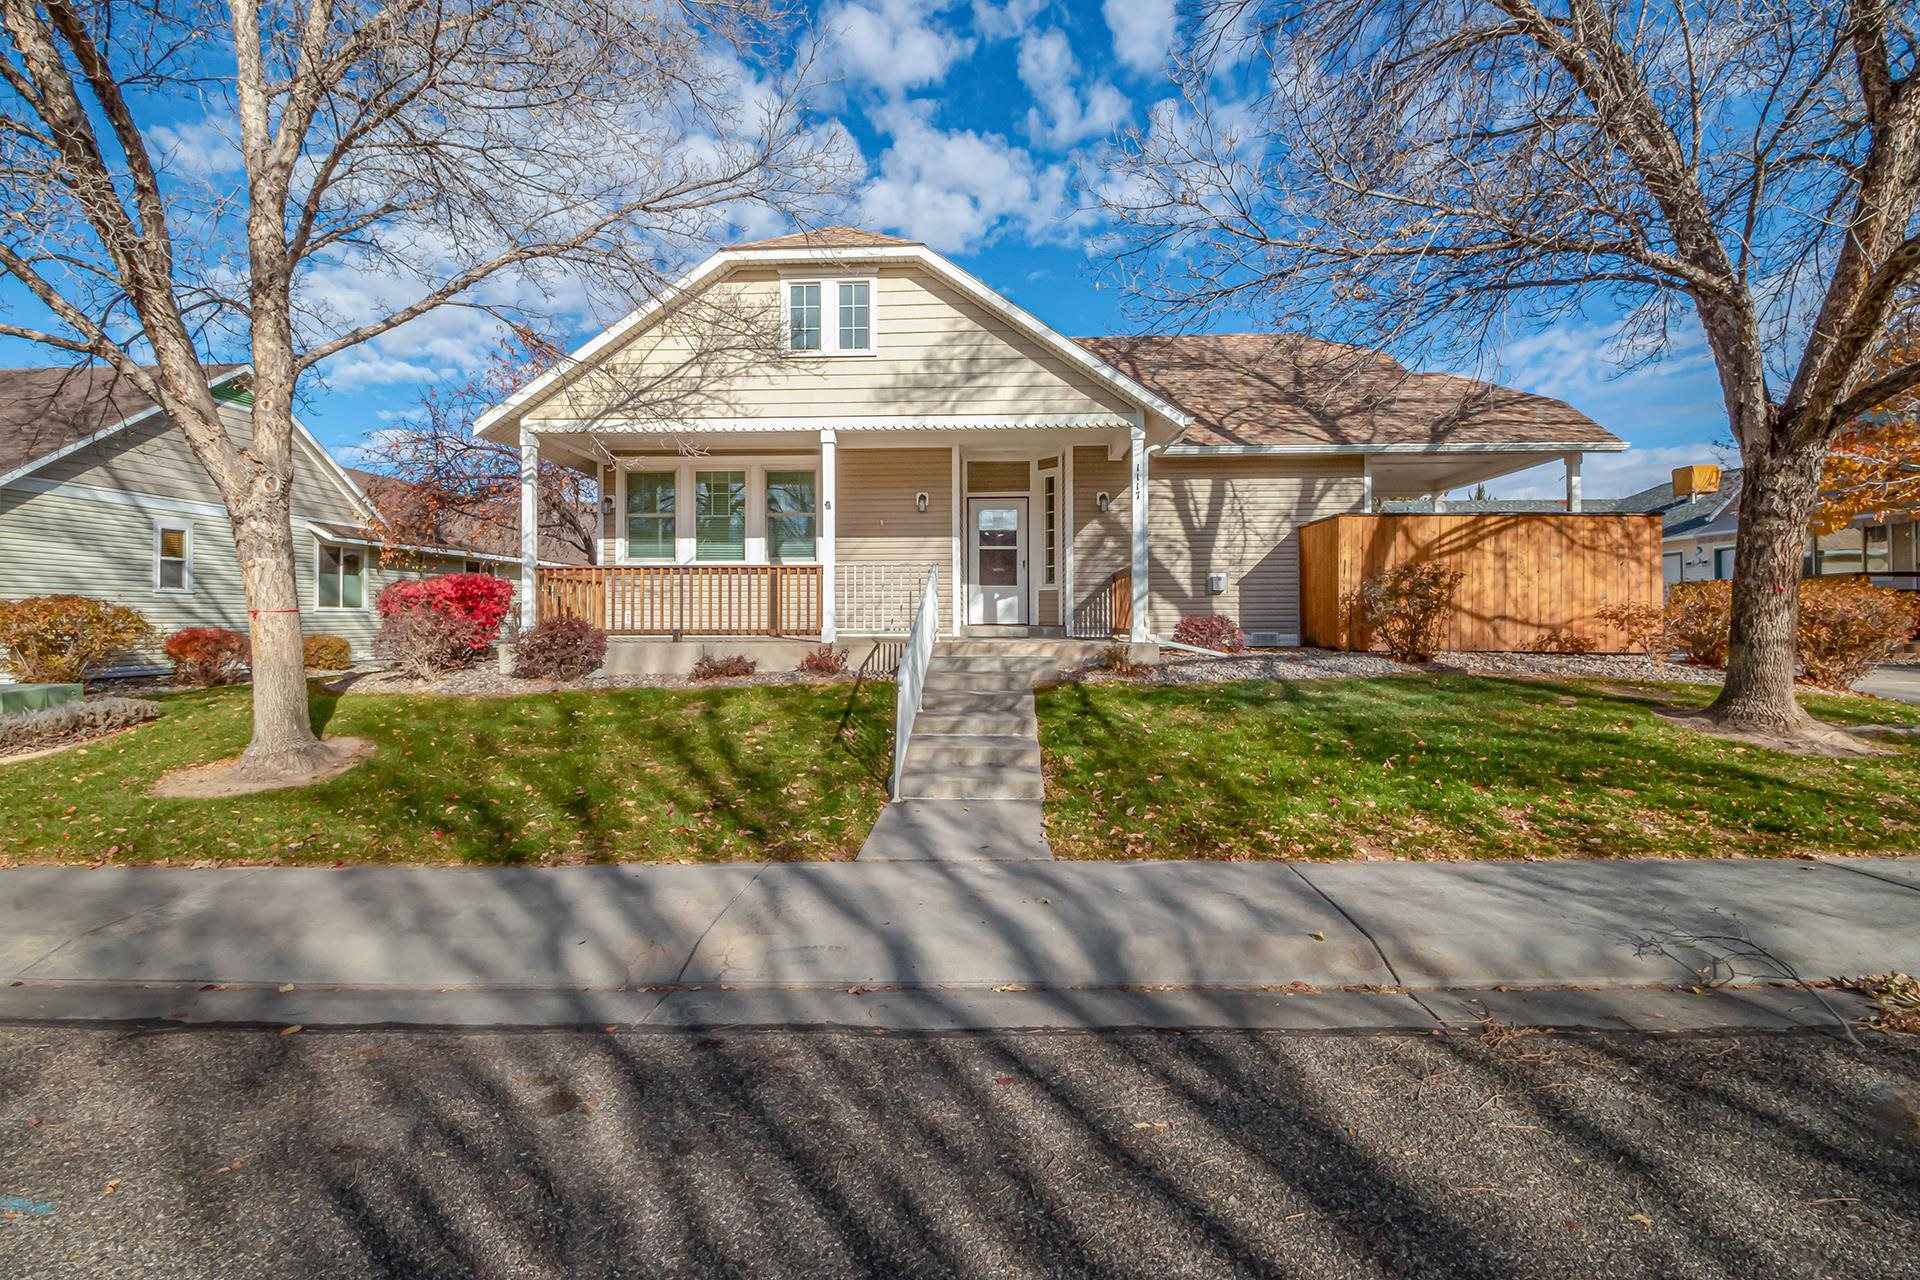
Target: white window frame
{"x": 829, "y": 316}
{"x": 685, "y": 541}
{"x": 320, "y": 546}
{"x": 173, "y": 524}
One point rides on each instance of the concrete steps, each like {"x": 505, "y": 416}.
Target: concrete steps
{"x": 938, "y": 751}
{"x": 971, "y": 782}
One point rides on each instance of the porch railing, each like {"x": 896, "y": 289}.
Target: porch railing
{"x": 1109, "y": 612}
{"x": 687, "y": 599}
{"x": 911, "y": 677}
{"x": 876, "y": 597}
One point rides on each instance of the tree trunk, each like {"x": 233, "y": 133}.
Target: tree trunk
{"x": 284, "y": 744}
{"x": 1777, "y": 497}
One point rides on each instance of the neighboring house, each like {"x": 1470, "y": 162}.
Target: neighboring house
{"x": 101, "y": 496}
{"x": 913, "y": 418}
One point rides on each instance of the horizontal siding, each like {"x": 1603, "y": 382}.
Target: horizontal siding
{"x": 1102, "y": 544}
{"x": 998, "y": 477}
{"x": 153, "y": 457}
{"x": 876, "y": 521}
{"x": 936, "y": 352}
{"x": 56, "y": 543}
{"x": 1241, "y": 517}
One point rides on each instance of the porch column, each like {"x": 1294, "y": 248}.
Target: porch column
{"x": 529, "y": 527}
{"x": 1140, "y": 633}
{"x": 1366, "y": 482}
{"x": 1439, "y": 502}
{"x": 1573, "y": 481}
{"x": 829, "y": 484}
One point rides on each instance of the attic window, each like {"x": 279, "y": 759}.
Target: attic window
{"x": 829, "y": 317}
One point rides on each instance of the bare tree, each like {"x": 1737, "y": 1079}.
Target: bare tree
{"x": 1431, "y": 171}
{"x": 394, "y": 157}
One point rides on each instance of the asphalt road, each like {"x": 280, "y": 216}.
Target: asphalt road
{"x": 240, "y": 1153}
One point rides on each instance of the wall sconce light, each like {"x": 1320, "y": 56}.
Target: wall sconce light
{"x": 920, "y": 500}
{"x": 1102, "y": 500}
{"x": 606, "y": 504}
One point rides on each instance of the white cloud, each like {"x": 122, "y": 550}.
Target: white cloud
{"x": 1142, "y": 32}
{"x": 958, "y": 189}
{"x": 891, "y": 44}
{"x": 1001, "y": 21}
{"x": 196, "y": 148}
{"x": 1059, "y": 117}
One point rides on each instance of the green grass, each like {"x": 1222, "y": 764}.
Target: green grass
{"x": 1447, "y": 767}
{"x": 635, "y": 775}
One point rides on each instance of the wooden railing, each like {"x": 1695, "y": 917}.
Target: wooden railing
{"x": 687, "y": 599}
{"x": 1120, "y": 601}
{"x": 1108, "y": 611}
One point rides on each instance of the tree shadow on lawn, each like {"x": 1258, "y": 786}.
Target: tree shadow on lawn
{"x": 1461, "y": 752}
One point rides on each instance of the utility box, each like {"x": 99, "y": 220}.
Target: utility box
{"x": 1216, "y": 584}
{"x": 36, "y": 697}
{"x": 1691, "y": 482}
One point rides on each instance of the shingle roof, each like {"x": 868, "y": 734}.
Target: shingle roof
{"x": 45, "y": 410}
{"x": 1285, "y": 389}
{"x": 829, "y": 238}
{"x": 1481, "y": 506}
{"x": 1677, "y": 514}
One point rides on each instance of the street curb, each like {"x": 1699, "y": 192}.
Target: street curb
{"x": 1640, "y": 1009}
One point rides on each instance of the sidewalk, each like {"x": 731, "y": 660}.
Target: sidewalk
{"x": 770, "y": 942}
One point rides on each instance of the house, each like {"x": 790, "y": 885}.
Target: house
{"x": 100, "y": 495}
{"x": 903, "y": 419}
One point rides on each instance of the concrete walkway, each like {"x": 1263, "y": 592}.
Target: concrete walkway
{"x": 1899, "y": 682}
{"x": 584, "y": 944}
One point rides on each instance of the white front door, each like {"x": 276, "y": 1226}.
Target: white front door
{"x": 997, "y": 559}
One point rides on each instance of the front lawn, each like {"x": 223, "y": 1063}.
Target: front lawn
{"x": 1447, "y": 767}
{"x": 629, "y": 775}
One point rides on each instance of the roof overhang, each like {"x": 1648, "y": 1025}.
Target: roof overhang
{"x": 365, "y": 538}
{"x": 32, "y": 465}
{"x": 499, "y": 423}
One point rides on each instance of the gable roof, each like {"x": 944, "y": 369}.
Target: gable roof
{"x": 1679, "y": 515}
{"x": 1286, "y": 390}
{"x": 44, "y": 411}
{"x": 826, "y": 238}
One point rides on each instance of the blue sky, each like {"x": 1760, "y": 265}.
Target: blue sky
{"x": 973, "y": 118}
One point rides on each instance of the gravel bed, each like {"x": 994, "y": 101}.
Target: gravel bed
{"x": 1177, "y": 667}
{"x": 1581, "y": 666}
{"x": 488, "y": 681}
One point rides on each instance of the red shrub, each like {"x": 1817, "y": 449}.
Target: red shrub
{"x": 559, "y": 649}
{"x": 824, "y": 661}
{"x": 207, "y": 656}
{"x": 1210, "y": 631}
{"x": 726, "y": 666}
{"x": 474, "y": 598}
{"x": 425, "y": 643}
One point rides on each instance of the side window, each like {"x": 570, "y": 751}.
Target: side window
{"x": 172, "y": 555}
{"x": 1050, "y": 525}
{"x": 803, "y": 316}
{"x": 856, "y": 328}
{"x": 342, "y": 577}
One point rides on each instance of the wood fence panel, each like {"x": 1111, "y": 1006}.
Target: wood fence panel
{"x": 1526, "y": 576}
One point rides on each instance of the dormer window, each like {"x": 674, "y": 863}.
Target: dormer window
{"x": 829, "y": 317}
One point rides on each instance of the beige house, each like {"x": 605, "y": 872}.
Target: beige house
{"x": 101, "y": 496}
{"x": 804, "y": 430}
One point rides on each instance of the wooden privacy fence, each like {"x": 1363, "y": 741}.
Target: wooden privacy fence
{"x": 687, "y": 599}
{"x": 1526, "y": 576}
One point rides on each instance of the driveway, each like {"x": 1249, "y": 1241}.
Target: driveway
{"x": 1900, "y": 683}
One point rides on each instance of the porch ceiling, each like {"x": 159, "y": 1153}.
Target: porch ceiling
{"x": 1415, "y": 475}
{"x": 588, "y": 450}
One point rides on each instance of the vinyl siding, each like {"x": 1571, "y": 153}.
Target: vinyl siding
{"x": 1102, "y": 544}
{"x": 152, "y": 457}
{"x": 1241, "y": 517}
{"x": 998, "y": 477}
{"x": 935, "y": 352}
{"x": 60, "y": 542}
{"x": 877, "y": 523}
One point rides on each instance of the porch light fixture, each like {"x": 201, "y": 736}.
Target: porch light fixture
{"x": 606, "y": 504}
{"x": 1102, "y": 500}
{"x": 920, "y": 500}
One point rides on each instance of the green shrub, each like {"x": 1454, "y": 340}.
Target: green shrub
{"x": 206, "y": 656}
{"x": 1406, "y": 608}
{"x": 1847, "y": 627}
{"x": 58, "y": 639}
{"x": 326, "y": 653}
{"x": 1698, "y": 616}
{"x": 72, "y": 721}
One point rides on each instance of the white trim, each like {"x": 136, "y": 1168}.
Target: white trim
{"x": 1264, "y": 450}
{"x": 529, "y": 532}
{"x": 957, "y": 500}
{"x": 835, "y": 420}
{"x": 1141, "y": 561}
{"x": 825, "y": 529}
{"x": 66, "y": 450}
{"x": 1022, "y": 549}
{"x": 727, "y": 259}
{"x": 829, "y": 347}
{"x": 161, "y": 525}
{"x": 1066, "y": 537}
{"x": 320, "y": 544}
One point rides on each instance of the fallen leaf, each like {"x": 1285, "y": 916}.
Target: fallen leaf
{"x": 290, "y": 1028}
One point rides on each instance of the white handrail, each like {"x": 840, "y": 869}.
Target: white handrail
{"x": 911, "y": 676}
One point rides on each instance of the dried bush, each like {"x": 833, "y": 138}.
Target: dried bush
{"x": 559, "y": 649}
{"x": 1210, "y": 631}
{"x": 203, "y": 657}
{"x": 58, "y": 639}
{"x": 476, "y": 598}
{"x": 724, "y": 666}
{"x": 1563, "y": 640}
{"x": 29, "y": 730}
{"x": 1698, "y": 615}
{"x": 824, "y": 661}
{"x": 1119, "y": 659}
{"x": 1406, "y": 608}
{"x": 1847, "y": 627}
{"x": 425, "y": 643}
{"x": 1643, "y": 625}
{"x": 326, "y": 653}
